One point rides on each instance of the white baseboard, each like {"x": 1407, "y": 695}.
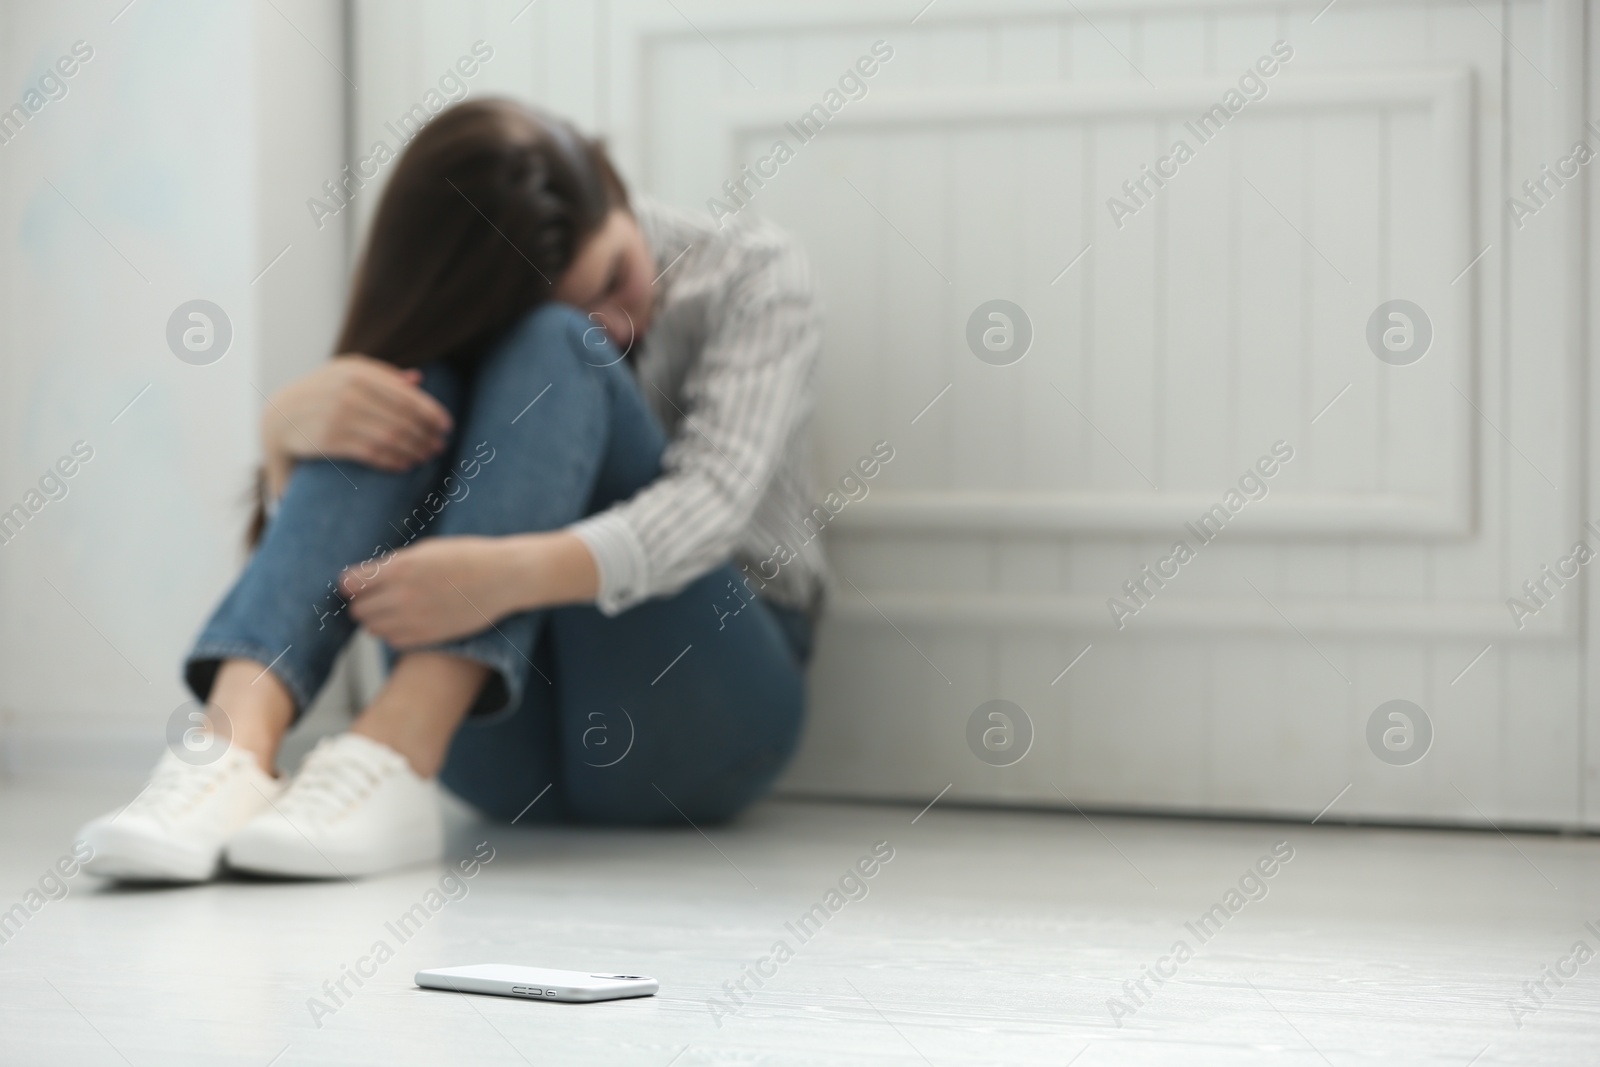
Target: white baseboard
{"x": 72, "y": 745}
{"x": 35, "y": 747}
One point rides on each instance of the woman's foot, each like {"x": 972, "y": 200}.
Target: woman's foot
{"x": 356, "y": 808}
{"x": 175, "y": 829}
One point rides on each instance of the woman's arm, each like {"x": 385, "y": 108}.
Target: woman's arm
{"x": 441, "y": 588}
{"x": 548, "y": 570}
{"x": 751, "y": 385}
{"x": 353, "y": 407}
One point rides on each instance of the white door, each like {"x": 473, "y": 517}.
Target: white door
{"x": 1197, "y": 344}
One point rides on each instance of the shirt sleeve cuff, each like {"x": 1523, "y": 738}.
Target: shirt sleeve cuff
{"x": 620, "y": 559}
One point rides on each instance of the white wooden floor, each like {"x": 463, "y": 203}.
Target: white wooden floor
{"x": 990, "y": 938}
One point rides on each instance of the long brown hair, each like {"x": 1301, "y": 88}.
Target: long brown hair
{"x": 486, "y": 209}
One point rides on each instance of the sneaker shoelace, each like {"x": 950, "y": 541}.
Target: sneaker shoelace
{"x": 175, "y": 787}
{"x": 330, "y": 784}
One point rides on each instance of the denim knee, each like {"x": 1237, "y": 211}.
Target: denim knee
{"x": 556, "y": 329}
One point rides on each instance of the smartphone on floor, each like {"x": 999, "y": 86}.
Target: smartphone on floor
{"x": 537, "y": 983}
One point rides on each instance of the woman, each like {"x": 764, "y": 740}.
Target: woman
{"x": 560, "y": 423}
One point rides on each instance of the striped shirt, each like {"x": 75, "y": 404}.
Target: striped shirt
{"x": 729, "y": 366}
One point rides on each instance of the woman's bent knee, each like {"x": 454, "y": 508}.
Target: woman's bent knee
{"x": 555, "y": 331}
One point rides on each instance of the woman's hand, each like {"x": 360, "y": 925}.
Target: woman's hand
{"x": 356, "y": 408}
{"x": 442, "y": 588}
{"x": 435, "y": 590}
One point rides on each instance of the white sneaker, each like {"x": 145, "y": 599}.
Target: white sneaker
{"x": 355, "y": 808}
{"x": 175, "y": 829}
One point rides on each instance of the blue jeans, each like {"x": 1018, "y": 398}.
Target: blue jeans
{"x": 680, "y": 708}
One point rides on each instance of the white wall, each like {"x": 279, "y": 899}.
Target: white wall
{"x": 1221, "y": 318}
{"x": 186, "y": 146}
